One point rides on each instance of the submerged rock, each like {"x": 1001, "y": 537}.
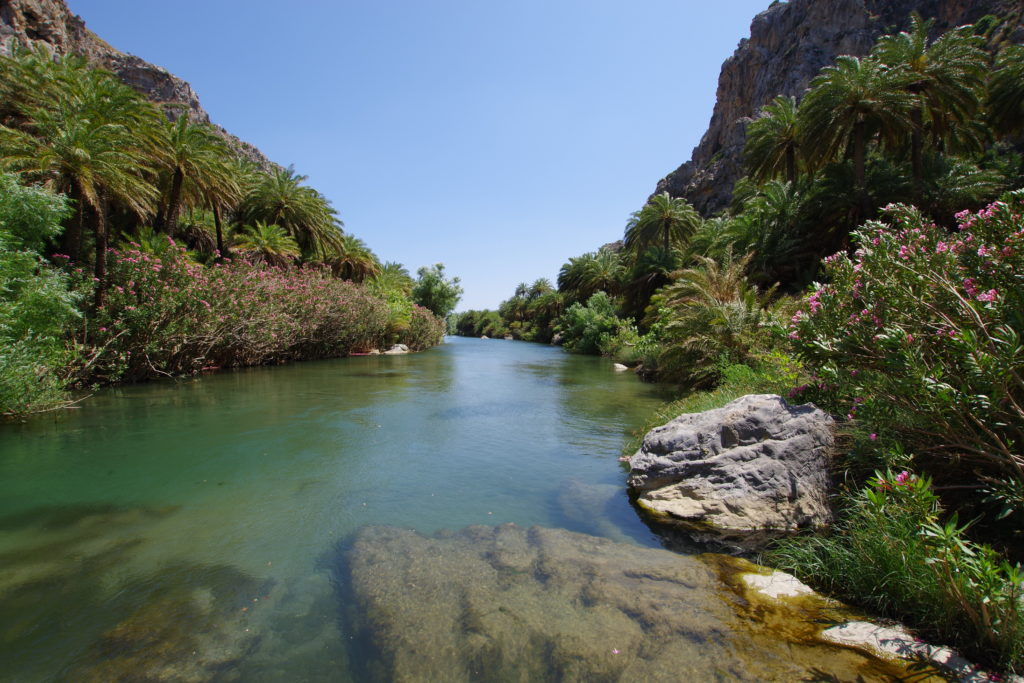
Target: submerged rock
{"x": 755, "y": 464}
{"x": 506, "y": 603}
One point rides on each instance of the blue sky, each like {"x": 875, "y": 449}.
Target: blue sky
{"x": 499, "y": 138}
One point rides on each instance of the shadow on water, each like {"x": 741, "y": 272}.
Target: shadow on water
{"x": 65, "y": 588}
{"x": 364, "y": 659}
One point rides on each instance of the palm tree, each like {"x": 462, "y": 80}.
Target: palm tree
{"x": 199, "y": 157}
{"x": 672, "y": 220}
{"x": 96, "y": 142}
{"x": 651, "y": 271}
{"x": 31, "y": 78}
{"x": 270, "y": 244}
{"x": 280, "y": 197}
{"x": 946, "y": 78}
{"x": 773, "y": 142}
{"x": 393, "y": 277}
{"x": 540, "y": 287}
{"x": 849, "y": 104}
{"x": 352, "y": 259}
{"x": 582, "y": 276}
{"x": 768, "y": 230}
{"x": 711, "y": 311}
{"x": 1006, "y": 91}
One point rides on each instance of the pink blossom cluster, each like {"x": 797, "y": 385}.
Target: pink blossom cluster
{"x": 165, "y": 313}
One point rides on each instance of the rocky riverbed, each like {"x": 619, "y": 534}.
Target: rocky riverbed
{"x": 507, "y": 603}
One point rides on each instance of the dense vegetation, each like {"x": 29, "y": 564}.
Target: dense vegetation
{"x": 136, "y": 243}
{"x": 892, "y": 181}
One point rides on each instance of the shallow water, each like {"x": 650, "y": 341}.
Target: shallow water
{"x": 190, "y": 529}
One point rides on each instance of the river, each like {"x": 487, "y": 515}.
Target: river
{"x": 119, "y": 517}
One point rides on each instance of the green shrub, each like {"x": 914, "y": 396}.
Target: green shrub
{"x": 712, "y": 315}
{"x": 583, "y": 328}
{"x": 435, "y": 291}
{"x": 37, "y": 305}
{"x": 892, "y": 552}
{"x": 424, "y": 330}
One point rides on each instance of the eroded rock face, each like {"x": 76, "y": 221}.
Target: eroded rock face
{"x": 510, "y": 604}
{"x": 30, "y": 22}
{"x": 788, "y": 44}
{"x": 757, "y": 463}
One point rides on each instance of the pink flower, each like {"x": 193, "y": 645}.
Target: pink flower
{"x": 990, "y": 295}
{"x": 903, "y": 478}
{"x": 873, "y": 436}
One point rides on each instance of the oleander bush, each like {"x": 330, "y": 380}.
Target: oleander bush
{"x": 168, "y": 315}
{"x": 425, "y": 329}
{"x": 916, "y": 338}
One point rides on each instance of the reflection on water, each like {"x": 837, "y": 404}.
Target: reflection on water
{"x": 179, "y": 530}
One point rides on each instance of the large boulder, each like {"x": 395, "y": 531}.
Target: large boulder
{"x": 757, "y": 463}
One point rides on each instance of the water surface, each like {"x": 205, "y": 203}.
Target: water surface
{"x": 199, "y": 520}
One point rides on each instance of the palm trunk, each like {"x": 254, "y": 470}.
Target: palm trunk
{"x": 71, "y": 242}
{"x": 221, "y": 247}
{"x": 174, "y": 202}
{"x": 100, "y": 271}
{"x": 916, "y": 155}
{"x": 859, "y": 175}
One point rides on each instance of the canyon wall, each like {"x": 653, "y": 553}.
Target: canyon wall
{"x": 788, "y": 44}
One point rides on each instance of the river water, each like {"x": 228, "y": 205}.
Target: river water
{"x": 133, "y": 526}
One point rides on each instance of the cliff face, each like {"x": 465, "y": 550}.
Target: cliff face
{"x": 789, "y": 43}
{"x": 29, "y": 22}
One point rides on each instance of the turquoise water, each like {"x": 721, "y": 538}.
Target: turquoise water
{"x": 189, "y": 528}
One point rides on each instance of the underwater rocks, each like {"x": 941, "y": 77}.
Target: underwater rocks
{"x": 755, "y": 464}
{"x": 506, "y": 603}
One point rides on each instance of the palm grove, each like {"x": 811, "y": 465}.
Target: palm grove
{"x": 894, "y": 180}
{"x": 166, "y": 251}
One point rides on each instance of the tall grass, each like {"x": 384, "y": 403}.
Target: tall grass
{"x": 893, "y": 552}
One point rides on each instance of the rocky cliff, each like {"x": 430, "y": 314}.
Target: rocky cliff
{"x": 50, "y": 22}
{"x": 789, "y": 42}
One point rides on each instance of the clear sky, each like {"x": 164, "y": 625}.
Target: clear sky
{"x": 499, "y": 138}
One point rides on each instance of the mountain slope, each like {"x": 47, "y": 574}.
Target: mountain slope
{"x": 789, "y": 42}
{"x": 28, "y": 22}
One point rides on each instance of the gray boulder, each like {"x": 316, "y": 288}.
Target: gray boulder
{"x": 397, "y": 350}
{"x": 757, "y": 463}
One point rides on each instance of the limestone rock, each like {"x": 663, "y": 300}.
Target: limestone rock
{"x": 756, "y": 463}
{"x": 510, "y": 604}
{"x": 896, "y": 643}
{"x": 789, "y": 42}
{"x": 619, "y": 367}
{"x": 397, "y": 350}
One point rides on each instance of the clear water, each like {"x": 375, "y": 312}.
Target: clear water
{"x": 201, "y": 518}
